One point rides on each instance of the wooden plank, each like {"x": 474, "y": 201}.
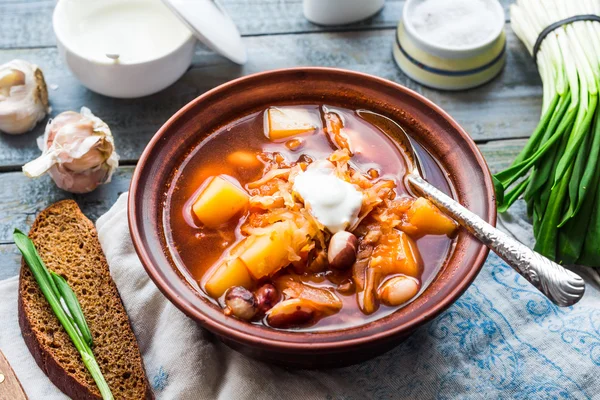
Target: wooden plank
{"x": 508, "y": 107}
{"x": 10, "y": 387}
{"x": 500, "y": 154}
{"x": 29, "y": 23}
{"x": 22, "y": 199}
{"x": 40, "y": 193}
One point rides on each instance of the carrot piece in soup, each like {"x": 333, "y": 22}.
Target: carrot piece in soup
{"x": 220, "y": 201}
{"x": 334, "y": 130}
{"x": 284, "y": 122}
{"x": 228, "y": 274}
{"x": 429, "y": 220}
{"x": 397, "y": 253}
{"x": 244, "y": 159}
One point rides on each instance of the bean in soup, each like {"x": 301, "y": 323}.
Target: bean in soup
{"x": 297, "y": 217}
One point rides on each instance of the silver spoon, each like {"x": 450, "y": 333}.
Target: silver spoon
{"x": 561, "y": 286}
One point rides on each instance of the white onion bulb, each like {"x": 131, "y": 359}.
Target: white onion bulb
{"x": 23, "y": 97}
{"x": 78, "y": 152}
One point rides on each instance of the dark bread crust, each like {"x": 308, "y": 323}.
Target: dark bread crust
{"x": 67, "y": 242}
{"x": 65, "y": 382}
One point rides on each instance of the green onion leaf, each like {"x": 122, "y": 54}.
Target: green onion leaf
{"x": 74, "y": 307}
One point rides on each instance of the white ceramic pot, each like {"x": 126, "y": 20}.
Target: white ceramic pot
{"x": 445, "y": 67}
{"x": 340, "y": 12}
{"x": 118, "y": 56}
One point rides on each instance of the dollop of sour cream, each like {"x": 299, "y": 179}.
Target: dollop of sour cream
{"x": 332, "y": 201}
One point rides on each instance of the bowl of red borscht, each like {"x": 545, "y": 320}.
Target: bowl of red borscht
{"x": 274, "y": 212}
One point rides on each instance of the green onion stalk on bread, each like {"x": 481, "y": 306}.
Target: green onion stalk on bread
{"x": 65, "y": 306}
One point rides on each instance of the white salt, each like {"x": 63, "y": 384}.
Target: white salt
{"x": 455, "y": 23}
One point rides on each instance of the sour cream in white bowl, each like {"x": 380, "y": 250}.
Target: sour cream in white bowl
{"x": 133, "y": 48}
{"x": 122, "y": 48}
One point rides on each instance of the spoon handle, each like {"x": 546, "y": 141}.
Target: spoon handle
{"x": 561, "y": 286}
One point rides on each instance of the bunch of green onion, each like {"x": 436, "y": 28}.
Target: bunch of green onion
{"x": 65, "y": 306}
{"x": 558, "y": 170}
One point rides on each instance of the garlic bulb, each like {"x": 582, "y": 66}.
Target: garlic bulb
{"x": 78, "y": 152}
{"x": 23, "y": 97}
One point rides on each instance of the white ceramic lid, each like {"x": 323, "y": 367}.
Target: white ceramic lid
{"x": 212, "y": 26}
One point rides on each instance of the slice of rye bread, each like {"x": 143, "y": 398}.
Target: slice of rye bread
{"x": 68, "y": 243}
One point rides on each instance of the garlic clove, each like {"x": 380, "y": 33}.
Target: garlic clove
{"x": 23, "y": 97}
{"x": 83, "y": 182}
{"x": 78, "y": 152}
{"x": 94, "y": 157}
{"x": 10, "y": 78}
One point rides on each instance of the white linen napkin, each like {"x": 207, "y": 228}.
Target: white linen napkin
{"x": 501, "y": 339}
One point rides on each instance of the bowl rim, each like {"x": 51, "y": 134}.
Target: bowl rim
{"x": 338, "y": 344}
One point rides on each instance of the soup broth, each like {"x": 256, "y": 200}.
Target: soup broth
{"x": 225, "y": 194}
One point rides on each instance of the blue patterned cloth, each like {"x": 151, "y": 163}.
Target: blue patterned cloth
{"x": 501, "y": 340}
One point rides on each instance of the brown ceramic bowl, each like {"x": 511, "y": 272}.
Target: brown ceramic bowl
{"x": 434, "y": 129}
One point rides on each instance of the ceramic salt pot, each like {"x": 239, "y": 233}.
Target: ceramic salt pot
{"x": 340, "y": 12}
{"x": 451, "y": 45}
{"x": 133, "y": 48}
